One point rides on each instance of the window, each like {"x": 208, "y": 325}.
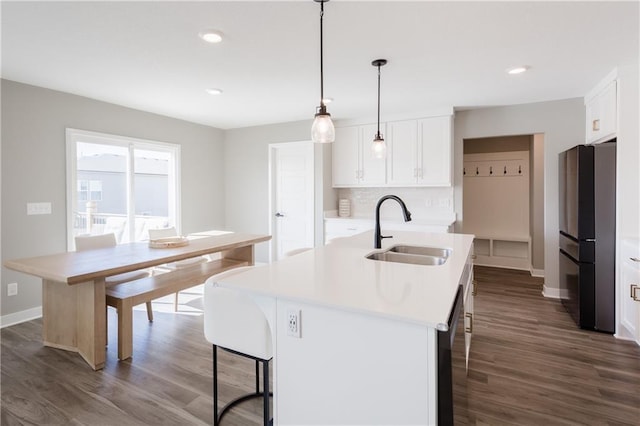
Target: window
{"x": 121, "y": 185}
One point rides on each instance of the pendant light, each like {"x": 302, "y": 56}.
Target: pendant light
{"x": 379, "y": 147}
{"x": 322, "y": 130}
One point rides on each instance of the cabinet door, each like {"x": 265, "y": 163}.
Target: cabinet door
{"x": 629, "y": 307}
{"x": 402, "y": 140}
{"x": 373, "y": 171}
{"x": 434, "y": 151}
{"x": 602, "y": 115}
{"x": 468, "y": 316}
{"x": 345, "y": 156}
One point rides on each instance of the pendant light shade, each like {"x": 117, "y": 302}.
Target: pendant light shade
{"x": 322, "y": 130}
{"x": 379, "y": 147}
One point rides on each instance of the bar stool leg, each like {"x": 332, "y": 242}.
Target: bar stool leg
{"x": 265, "y": 376}
{"x": 215, "y": 385}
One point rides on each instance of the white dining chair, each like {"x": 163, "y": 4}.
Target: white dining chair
{"x": 155, "y": 234}
{"x": 233, "y": 322}
{"x": 92, "y": 242}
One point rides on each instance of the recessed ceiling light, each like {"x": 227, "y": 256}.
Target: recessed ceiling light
{"x": 214, "y": 91}
{"x": 211, "y": 36}
{"x": 327, "y": 100}
{"x": 518, "y": 70}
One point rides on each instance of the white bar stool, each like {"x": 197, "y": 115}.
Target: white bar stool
{"x": 233, "y": 322}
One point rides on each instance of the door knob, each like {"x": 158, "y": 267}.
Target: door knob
{"x": 279, "y": 214}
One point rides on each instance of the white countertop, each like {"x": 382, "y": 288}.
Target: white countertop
{"x": 338, "y": 275}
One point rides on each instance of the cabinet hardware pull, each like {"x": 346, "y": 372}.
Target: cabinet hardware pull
{"x": 504, "y": 172}
{"x": 490, "y": 170}
{"x": 464, "y": 171}
{"x": 634, "y": 292}
{"x": 474, "y": 289}
{"x": 477, "y": 172}
{"x": 595, "y": 125}
{"x": 519, "y": 170}
{"x": 470, "y": 328}
{"x": 635, "y": 259}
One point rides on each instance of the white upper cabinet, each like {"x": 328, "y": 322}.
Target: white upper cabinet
{"x": 419, "y": 152}
{"x": 434, "y": 151}
{"x": 402, "y": 152}
{"x": 353, "y": 162}
{"x": 602, "y": 113}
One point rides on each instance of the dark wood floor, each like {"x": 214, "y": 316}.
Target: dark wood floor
{"x": 530, "y": 365}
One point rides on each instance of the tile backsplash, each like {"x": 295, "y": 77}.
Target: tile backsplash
{"x": 423, "y": 203}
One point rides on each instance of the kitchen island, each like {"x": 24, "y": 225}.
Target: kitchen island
{"x": 367, "y": 349}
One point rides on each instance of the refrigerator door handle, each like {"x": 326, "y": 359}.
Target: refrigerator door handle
{"x": 573, "y": 259}
{"x": 571, "y": 237}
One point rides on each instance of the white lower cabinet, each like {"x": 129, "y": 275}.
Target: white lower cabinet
{"x": 630, "y": 290}
{"x": 346, "y": 227}
{"x": 469, "y": 286}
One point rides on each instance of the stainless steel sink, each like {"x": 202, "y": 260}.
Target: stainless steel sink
{"x": 414, "y": 255}
{"x": 420, "y": 250}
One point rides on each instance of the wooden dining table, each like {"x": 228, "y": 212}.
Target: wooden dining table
{"x": 73, "y": 283}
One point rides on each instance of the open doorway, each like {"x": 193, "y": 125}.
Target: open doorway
{"x": 503, "y": 200}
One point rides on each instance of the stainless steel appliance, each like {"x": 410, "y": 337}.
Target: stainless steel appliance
{"x": 587, "y": 177}
{"x": 452, "y": 368}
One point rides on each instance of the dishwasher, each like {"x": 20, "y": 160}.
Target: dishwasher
{"x": 452, "y": 367}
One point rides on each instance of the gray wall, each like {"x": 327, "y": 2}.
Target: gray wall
{"x": 247, "y": 174}
{"x": 561, "y": 122}
{"x": 34, "y": 166}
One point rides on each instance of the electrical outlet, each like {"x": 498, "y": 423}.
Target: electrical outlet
{"x": 293, "y": 323}
{"x": 12, "y": 289}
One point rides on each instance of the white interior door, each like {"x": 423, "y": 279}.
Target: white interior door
{"x": 292, "y": 198}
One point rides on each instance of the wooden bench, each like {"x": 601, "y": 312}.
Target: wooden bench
{"x": 125, "y": 296}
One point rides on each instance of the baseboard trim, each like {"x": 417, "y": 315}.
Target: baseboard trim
{"x": 538, "y": 273}
{"x": 554, "y": 293}
{"x": 22, "y": 316}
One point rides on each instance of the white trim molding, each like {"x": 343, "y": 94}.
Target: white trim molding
{"x": 22, "y": 316}
{"x": 554, "y": 293}
{"x": 538, "y": 273}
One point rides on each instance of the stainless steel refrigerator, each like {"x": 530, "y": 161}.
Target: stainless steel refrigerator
{"x": 587, "y": 177}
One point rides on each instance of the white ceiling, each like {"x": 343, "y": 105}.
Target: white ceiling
{"x": 147, "y": 55}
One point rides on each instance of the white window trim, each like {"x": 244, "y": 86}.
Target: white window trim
{"x": 73, "y": 136}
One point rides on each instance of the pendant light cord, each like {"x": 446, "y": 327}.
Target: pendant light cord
{"x": 378, "y": 100}
{"x": 321, "y": 61}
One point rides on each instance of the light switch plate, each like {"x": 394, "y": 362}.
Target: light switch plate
{"x": 38, "y": 208}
